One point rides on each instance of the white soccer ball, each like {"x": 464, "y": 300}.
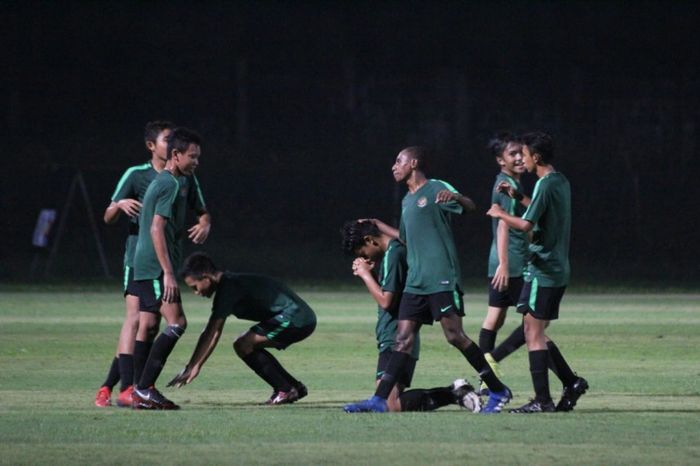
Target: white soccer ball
{"x": 467, "y": 397}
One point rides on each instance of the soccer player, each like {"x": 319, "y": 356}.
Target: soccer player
{"x": 158, "y": 255}
{"x": 383, "y": 253}
{"x": 283, "y": 319}
{"x": 548, "y": 221}
{"x": 127, "y": 198}
{"x": 509, "y": 250}
{"x": 433, "y": 285}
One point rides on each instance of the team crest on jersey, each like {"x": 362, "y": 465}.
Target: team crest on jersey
{"x": 422, "y": 202}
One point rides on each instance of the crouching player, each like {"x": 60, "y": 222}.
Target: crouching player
{"x": 381, "y": 264}
{"x": 284, "y": 318}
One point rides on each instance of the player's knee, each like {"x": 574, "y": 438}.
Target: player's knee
{"x": 242, "y": 346}
{"x": 404, "y": 342}
{"x": 457, "y": 338}
{"x": 174, "y": 331}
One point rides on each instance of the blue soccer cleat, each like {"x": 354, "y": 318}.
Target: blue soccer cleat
{"x": 375, "y": 404}
{"x": 497, "y": 400}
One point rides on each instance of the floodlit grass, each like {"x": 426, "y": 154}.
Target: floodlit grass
{"x": 639, "y": 353}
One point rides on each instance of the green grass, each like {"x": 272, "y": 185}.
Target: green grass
{"x": 639, "y": 353}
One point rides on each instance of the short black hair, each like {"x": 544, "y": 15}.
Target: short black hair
{"x": 541, "y": 143}
{"x": 154, "y": 128}
{"x": 498, "y": 143}
{"x": 420, "y": 153}
{"x": 180, "y": 139}
{"x": 197, "y": 265}
{"x": 354, "y": 233}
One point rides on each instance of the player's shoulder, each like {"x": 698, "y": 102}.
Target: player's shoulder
{"x": 137, "y": 170}
{"x": 439, "y": 185}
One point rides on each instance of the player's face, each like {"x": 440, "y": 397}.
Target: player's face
{"x": 203, "y": 287}
{"x": 188, "y": 160}
{"x": 528, "y": 160}
{"x": 511, "y": 160}
{"x": 161, "y": 146}
{"x": 370, "y": 250}
{"x": 402, "y": 167}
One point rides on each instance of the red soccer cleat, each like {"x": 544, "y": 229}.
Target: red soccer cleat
{"x": 125, "y": 398}
{"x": 103, "y": 397}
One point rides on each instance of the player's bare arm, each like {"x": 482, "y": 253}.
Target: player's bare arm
{"x": 130, "y": 207}
{"x": 508, "y": 189}
{"x": 446, "y": 196}
{"x": 208, "y": 340}
{"x": 501, "y": 276}
{"x": 199, "y": 232}
{"x": 512, "y": 221}
{"x": 171, "y": 288}
{"x": 363, "y": 269}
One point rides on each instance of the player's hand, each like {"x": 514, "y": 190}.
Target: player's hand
{"x": 184, "y": 377}
{"x": 508, "y": 189}
{"x": 199, "y": 233}
{"x": 130, "y": 207}
{"x": 361, "y": 266}
{"x": 495, "y": 211}
{"x": 446, "y": 196}
{"x": 171, "y": 290}
{"x": 500, "y": 278}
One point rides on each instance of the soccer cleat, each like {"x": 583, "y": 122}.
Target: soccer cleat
{"x": 150, "y": 398}
{"x": 535, "y": 406}
{"x": 301, "y": 390}
{"x": 103, "y": 397}
{"x": 272, "y": 397}
{"x": 465, "y": 396}
{"x": 571, "y": 394}
{"x": 497, "y": 400}
{"x": 373, "y": 405}
{"x": 483, "y": 389}
{"x": 125, "y": 398}
{"x": 283, "y": 398}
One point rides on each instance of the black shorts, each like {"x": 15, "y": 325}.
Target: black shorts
{"x": 428, "y": 308}
{"x": 281, "y": 332}
{"x": 507, "y": 297}
{"x": 150, "y": 294}
{"x": 129, "y": 282}
{"x": 405, "y": 377}
{"x": 540, "y": 301}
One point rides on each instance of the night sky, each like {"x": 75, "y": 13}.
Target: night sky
{"x": 304, "y": 105}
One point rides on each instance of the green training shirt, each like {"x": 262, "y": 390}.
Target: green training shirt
{"x": 517, "y": 240}
{"x": 550, "y": 212}
{"x": 391, "y": 277}
{"x": 259, "y": 298}
{"x": 169, "y": 197}
{"x": 426, "y": 228}
{"x": 133, "y": 185}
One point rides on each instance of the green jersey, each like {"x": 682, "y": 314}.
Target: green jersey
{"x": 517, "y": 240}
{"x": 133, "y": 185}
{"x": 391, "y": 277}
{"x": 550, "y": 212}
{"x": 169, "y": 197}
{"x": 426, "y": 228}
{"x": 259, "y": 298}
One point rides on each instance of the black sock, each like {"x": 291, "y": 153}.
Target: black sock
{"x": 112, "y": 375}
{"x": 426, "y": 400}
{"x": 141, "y": 351}
{"x": 540, "y": 374}
{"x": 561, "y": 368}
{"x": 162, "y": 347}
{"x": 487, "y": 340}
{"x": 394, "y": 369}
{"x": 265, "y": 365}
{"x": 287, "y": 376}
{"x": 476, "y": 359}
{"x": 514, "y": 341}
{"x": 126, "y": 370}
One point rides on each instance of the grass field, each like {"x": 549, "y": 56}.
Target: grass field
{"x": 639, "y": 353}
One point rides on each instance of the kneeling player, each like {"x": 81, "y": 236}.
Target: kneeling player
{"x": 378, "y": 251}
{"x": 284, "y": 318}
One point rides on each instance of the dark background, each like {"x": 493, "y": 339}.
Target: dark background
{"x": 304, "y": 105}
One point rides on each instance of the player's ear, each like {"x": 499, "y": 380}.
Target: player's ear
{"x": 500, "y": 161}
{"x": 150, "y": 145}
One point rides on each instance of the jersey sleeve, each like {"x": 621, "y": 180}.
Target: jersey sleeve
{"x": 167, "y": 193}
{"x": 195, "y": 198}
{"x": 538, "y": 204}
{"x": 125, "y": 187}
{"x": 394, "y": 270}
{"x": 452, "y": 206}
